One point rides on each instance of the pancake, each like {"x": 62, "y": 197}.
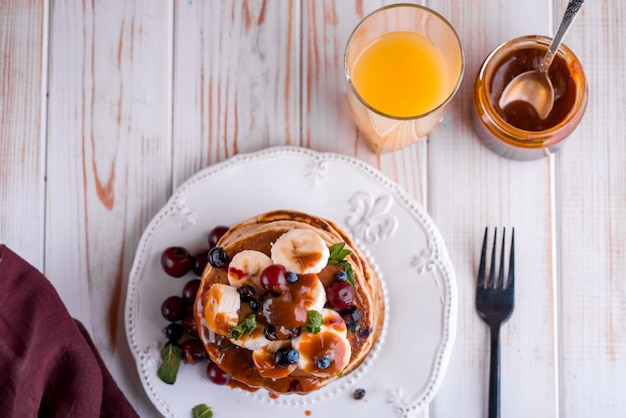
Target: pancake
{"x": 267, "y": 343}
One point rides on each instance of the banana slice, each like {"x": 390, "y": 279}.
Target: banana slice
{"x": 318, "y": 294}
{"x": 253, "y": 341}
{"x": 246, "y": 267}
{"x": 221, "y": 308}
{"x": 301, "y": 251}
{"x": 328, "y": 352}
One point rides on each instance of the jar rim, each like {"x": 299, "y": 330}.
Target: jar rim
{"x": 512, "y": 133}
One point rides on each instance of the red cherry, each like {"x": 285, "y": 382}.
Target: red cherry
{"x": 273, "y": 279}
{"x": 189, "y": 324}
{"x": 217, "y": 375}
{"x": 193, "y": 351}
{"x": 215, "y": 234}
{"x": 176, "y": 261}
{"x": 200, "y": 260}
{"x": 173, "y": 308}
{"x": 190, "y": 291}
{"x": 340, "y": 295}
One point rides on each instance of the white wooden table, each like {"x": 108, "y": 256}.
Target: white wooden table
{"x": 107, "y": 106}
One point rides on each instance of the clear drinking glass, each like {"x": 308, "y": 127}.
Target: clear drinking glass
{"x": 386, "y": 129}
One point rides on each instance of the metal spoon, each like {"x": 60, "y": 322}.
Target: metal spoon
{"x": 535, "y": 87}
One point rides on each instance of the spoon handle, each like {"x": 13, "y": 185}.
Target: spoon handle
{"x": 570, "y": 13}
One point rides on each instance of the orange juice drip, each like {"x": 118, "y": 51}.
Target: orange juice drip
{"x": 401, "y": 74}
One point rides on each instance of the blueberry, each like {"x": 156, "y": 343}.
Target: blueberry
{"x": 254, "y": 304}
{"x": 292, "y": 277}
{"x": 270, "y": 332}
{"x": 174, "y": 331}
{"x": 352, "y": 326}
{"x": 218, "y": 257}
{"x": 246, "y": 293}
{"x": 342, "y": 276}
{"x": 359, "y": 393}
{"x": 323, "y": 362}
{"x": 351, "y": 313}
{"x": 351, "y": 316}
{"x": 281, "y": 357}
{"x": 365, "y": 332}
{"x": 286, "y": 356}
{"x": 293, "y": 356}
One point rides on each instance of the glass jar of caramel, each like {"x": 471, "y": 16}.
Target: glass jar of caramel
{"x": 517, "y": 132}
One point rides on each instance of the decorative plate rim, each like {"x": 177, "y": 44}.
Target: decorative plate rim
{"x": 440, "y": 260}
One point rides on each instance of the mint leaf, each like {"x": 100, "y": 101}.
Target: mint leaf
{"x": 202, "y": 411}
{"x": 247, "y": 325}
{"x": 170, "y": 362}
{"x": 338, "y": 255}
{"x": 313, "y": 322}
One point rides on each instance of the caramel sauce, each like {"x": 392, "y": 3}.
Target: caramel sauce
{"x": 238, "y": 362}
{"x": 267, "y": 367}
{"x": 307, "y": 260}
{"x": 283, "y": 333}
{"x": 220, "y": 323}
{"x": 326, "y": 344}
{"x": 289, "y": 309}
{"x": 237, "y": 384}
{"x": 521, "y": 114}
{"x": 335, "y": 322}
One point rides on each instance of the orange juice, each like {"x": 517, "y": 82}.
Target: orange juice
{"x": 402, "y": 74}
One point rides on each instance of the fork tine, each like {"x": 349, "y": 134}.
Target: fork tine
{"x": 500, "y": 283}
{"x": 511, "y": 278}
{"x": 481, "y": 266}
{"x": 492, "y": 267}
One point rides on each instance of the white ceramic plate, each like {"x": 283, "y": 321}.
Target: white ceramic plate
{"x": 406, "y": 367}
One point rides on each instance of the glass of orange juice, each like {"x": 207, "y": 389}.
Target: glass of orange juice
{"x": 403, "y": 63}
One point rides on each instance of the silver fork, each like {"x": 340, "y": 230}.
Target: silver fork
{"x": 494, "y": 303}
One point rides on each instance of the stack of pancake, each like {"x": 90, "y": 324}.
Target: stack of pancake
{"x": 250, "y": 355}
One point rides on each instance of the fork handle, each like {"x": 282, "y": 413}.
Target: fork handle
{"x": 494, "y": 373}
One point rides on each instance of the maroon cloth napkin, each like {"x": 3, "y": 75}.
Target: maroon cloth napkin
{"x": 49, "y": 366}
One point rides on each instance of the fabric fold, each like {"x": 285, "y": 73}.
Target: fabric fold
{"x": 50, "y": 366}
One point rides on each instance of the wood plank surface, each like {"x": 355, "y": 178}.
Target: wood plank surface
{"x": 23, "y": 26}
{"x": 485, "y": 190}
{"x": 591, "y": 203}
{"x": 236, "y": 80}
{"x": 108, "y": 160}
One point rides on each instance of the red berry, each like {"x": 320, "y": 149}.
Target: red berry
{"x": 200, "y": 260}
{"x": 215, "y": 234}
{"x": 340, "y": 295}
{"x": 190, "y": 291}
{"x": 176, "y": 261}
{"x": 173, "y": 308}
{"x": 217, "y": 375}
{"x": 273, "y": 279}
{"x": 193, "y": 351}
{"x": 189, "y": 324}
